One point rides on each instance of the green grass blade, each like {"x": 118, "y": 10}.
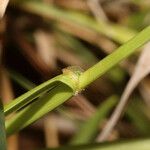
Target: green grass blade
{"x": 37, "y": 109}
{"x": 143, "y": 144}
{"x": 138, "y": 118}
{"x": 26, "y": 98}
{"x": 67, "y": 87}
{"x": 77, "y": 47}
{"x": 77, "y": 81}
{"x": 2, "y": 129}
{"x": 113, "y": 31}
{"x": 87, "y": 132}
{"x": 21, "y": 80}
{"x": 110, "y": 61}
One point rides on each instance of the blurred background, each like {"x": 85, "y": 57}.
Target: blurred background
{"x": 38, "y": 38}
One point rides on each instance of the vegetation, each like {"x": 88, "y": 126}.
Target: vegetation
{"x": 52, "y": 52}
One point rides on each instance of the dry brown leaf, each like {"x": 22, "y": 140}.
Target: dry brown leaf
{"x": 141, "y": 71}
{"x": 83, "y": 104}
{"x": 51, "y": 131}
{"x": 88, "y": 35}
{"x": 97, "y": 10}
{"x": 72, "y": 4}
{"x": 145, "y": 90}
{"x": 34, "y": 59}
{"x": 45, "y": 48}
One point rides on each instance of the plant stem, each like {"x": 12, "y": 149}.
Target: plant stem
{"x": 107, "y": 63}
{"x": 68, "y": 86}
{"x": 142, "y": 144}
{"x": 2, "y": 128}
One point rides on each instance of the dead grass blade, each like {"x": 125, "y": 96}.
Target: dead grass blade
{"x": 97, "y": 10}
{"x": 142, "y": 70}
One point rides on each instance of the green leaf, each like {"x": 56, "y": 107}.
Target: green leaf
{"x": 37, "y": 109}
{"x": 77, "y": 47}
{"x": 21, "y": 80}
{"x": 2, "y": 129}
{"x": 26, "y": 98}
{"x": 139, "y": 119}
{"x": 73, "y": 79}
{"x": 142, "y": 144}
{"x": 90, "y": 127}
{"x": 59, "y": 89}
{"x": 110, "y": 61}
{"x": 118, "y": 33}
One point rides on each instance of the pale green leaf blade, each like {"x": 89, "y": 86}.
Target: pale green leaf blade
{"x": 118, "y": 33}
{"x": 143, "y": 144}
{"x": 2, "y": 129}
{"x": 37, "y": 109}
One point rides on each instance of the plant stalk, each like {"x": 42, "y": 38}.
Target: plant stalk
{"x": 107, "y": 63}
